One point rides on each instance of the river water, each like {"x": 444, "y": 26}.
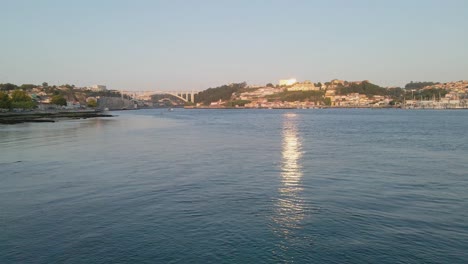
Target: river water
{"x": 237, "y": 186}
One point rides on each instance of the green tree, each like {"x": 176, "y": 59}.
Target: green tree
{"x": 44, "y": 84}
{"x": 8, "y": 86}
{"x": 68, "y": 86}
{"x": 58, "y": 100}
{"x": 92, "y": 103}
{"x": 28, "y": 86}
{"x": 366, "y": 88}
{"x": 429, "y": 94}
{"x": 5, "y": 101}
{"x": 20, "y": 96}
{"x": 223, "y": 93}
{"x": 21, "y": 99}
{"x": 418, "y": 85}
{"x": 270, "y": 85}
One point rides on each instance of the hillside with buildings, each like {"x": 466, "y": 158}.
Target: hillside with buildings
{"x": 290, "y": 93}
{"x": 45, "y": 97}
{"x": 436, "y": 95}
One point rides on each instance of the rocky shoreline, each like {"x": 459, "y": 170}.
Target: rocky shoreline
{"x": 46, "y": 117}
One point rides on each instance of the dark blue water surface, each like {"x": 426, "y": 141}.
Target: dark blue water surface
{"x": 237, "y": 186}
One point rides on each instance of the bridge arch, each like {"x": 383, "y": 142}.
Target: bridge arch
{"x": 189, "y": 95}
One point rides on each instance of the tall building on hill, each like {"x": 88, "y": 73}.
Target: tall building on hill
{"x": 304, "y": 86}
{"x": 98, "y": 88}
{"x": 287, "y": 82}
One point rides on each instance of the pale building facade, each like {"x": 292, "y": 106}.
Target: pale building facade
{"x": 287, "y": 82}
{"x": 98, "y": 88}
{"x": 304, "y": 86}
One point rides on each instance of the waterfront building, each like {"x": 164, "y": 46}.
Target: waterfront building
{"x": 73, "y": 105}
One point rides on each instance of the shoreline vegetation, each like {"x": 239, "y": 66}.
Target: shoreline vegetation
{"x": 10, "y": 118}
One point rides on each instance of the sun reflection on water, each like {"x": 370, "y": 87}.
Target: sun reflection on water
{"x": 290, "y": 208}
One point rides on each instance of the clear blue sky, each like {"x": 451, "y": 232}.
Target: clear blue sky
{"x": 199, "y": 44}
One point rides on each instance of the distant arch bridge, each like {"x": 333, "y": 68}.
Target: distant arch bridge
{"x": 186, "y": 96}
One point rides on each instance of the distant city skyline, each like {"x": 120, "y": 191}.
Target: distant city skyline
{"x": 183, "y": 45}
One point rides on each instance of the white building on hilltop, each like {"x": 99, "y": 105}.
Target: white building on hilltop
{"x": 304, "y": 86}
{"x": 287, "y": 82}
{"x": 98, "y": 88}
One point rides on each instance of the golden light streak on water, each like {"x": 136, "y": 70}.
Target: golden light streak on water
{"x": 289, "y": 207}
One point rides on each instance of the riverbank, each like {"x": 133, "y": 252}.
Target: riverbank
{"x": 290, "y": 107}
{"x": 47, "y": 117}
{"x": 328, "y": 107}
